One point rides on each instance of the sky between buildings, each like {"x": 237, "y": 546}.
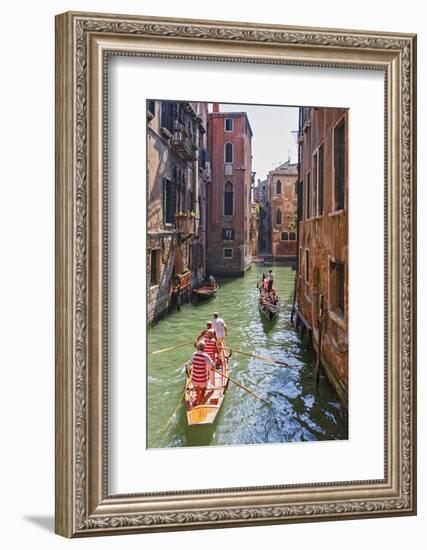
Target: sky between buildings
{"x": 273, "y": 141}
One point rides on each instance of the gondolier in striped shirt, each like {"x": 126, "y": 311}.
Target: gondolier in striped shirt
{"x": 203, "y": 334}
{"x": 211, "y": 348}
{"x": 201, "y": 366}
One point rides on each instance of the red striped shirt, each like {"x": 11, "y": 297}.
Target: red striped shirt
{"x": 199, "y": 372}
{"x": 210, "y": 347}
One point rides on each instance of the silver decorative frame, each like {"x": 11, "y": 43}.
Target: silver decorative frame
{"x": 83, "y": 42}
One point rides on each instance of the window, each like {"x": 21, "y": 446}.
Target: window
{"x": 314, "y": 183}
{"x": 228, "y": 124}
{"x": 278, "y": 187}
{"x": 168, "y": 115}
{"x": 228, "y": 153}
{"x": 308, "y": 196}
{"x": 320, "y": 180}
{"x": 278, "y": 217}
{"x": 336, "y": 286}
{"x": 154, "y": 267}
{"x": 300, "y": 197}
{"x": 228, "y": 199}
{"x": 228, "y": 252}
{"x": 190, "y": 200}
{"x": 307, "y": 266}
{"x": 169, "y": 201}
{"x": 292, "y": 236}
{"x": 285, "y": 236}
{"x": 203, "y": 157}
{"x": 151, "y": 106}
{"x": 339, "y": 166}
{"x": 228, "y": 234}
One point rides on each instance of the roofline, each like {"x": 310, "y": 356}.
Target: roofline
{"x": 222, "y": 114}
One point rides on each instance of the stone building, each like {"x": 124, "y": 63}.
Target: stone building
{"x": 264, "y": 226}
{"x": 283, "y": 211}
{"x": 229, "y": 195}
{"x": 323, "y": 238}
{"x": 254, "y": 228}
{"x": 177, "y": 173}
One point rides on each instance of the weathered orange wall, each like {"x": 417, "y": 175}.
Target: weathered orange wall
{"x": 325, "y": 237}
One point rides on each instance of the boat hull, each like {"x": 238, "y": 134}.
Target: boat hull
{"x": 269, "y": 314}
{"x": 204, "y": 292}
{"x": 206, "y": 413}
{"x": 268, "y": 310}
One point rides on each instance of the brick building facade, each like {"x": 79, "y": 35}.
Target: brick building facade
{"x": 177, "y": 174}
{"x": 323, "y": 237}
{"x": 282, "y": 190}
{"x": 229, "y": 195}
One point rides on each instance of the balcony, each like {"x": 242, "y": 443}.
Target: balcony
{"x": 185, "y": 224}
{"x": 182, "y": 143}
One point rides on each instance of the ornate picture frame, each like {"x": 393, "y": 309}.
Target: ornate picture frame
{"x": 83, "y": 43}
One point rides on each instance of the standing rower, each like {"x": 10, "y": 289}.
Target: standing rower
{"x": 212, "y": 350}
{"x": 270, "y": 280}
{"x": 203, "y": 333}
{"x": 220, "y": 329}
{"x": 201, "y": 365}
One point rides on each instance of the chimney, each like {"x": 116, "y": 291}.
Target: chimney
{"x": 215, "y": 107}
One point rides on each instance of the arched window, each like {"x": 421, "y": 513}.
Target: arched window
{"x": 292, "y": 236}
{"x": 278, "y": 187}
{"x": 228, "y": 153}
{"x": 278, "y": 217}
{"x": 285, "y": 236}
{"x": 228, "y": 199}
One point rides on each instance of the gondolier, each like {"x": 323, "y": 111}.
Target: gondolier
{"x": 220, "y": 328}
{"x": 270, "y": 280}
{"x": 204, "y": 407}
{"x": 201, "y": 364}
{"x": 211, "y": 348}
{"x": 269, "y": 304}
{"x": 203, "y": 333}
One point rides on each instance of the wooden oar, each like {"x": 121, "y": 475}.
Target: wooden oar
{"x": 173, "y": 347}
{"x": 268, "y": 359}
{"x": 243, "y": 387}
{"x": 175, "y": 411}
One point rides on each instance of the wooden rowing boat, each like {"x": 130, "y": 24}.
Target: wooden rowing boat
{"x": 198, "y": 415}
{"x": 206, "y": 291}
{"x": 268, "y": 309}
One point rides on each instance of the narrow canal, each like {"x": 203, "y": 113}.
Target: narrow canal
{"x": 298, "y": 411}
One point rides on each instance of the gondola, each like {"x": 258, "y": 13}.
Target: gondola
{"x": 198, "y": 415}
{"x": 206, "y": 291}
{"x": 267, "y": 308}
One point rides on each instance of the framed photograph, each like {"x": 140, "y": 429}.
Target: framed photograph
{"x": 235, "y": 274}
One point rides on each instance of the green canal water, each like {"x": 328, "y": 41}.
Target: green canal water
{"x": 298, "y": 411}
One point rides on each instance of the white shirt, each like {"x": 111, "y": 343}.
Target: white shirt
{"x": 218, "y": 325}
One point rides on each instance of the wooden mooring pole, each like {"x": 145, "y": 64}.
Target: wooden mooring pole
{"x": 319, "y": 342}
